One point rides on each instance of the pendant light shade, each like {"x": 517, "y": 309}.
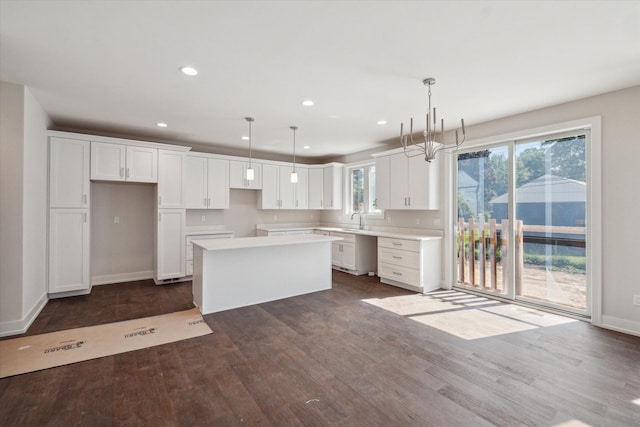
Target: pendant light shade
{"x": 294, "y": 174}
{"x": 250, "y": 174}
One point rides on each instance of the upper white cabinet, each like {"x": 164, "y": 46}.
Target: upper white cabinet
{"x": 117, "y": 162}
{"x": 332, "y": 186}
{"x": 407, "y": 182}
{"x": 69, "y": 173}
{"x": 238, "y": 175}
{"x": 171, "y": 177}
{"x": 207, "y": 183}
{"x": 278, "y": 192}
{"x": 316, "y": 188}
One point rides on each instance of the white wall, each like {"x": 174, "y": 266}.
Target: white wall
{"x": 35, "y": 176}
{"x": 11, "y": 191}
{"x": 243, "y": 215}
{"x": 23, "y": 208}
{"x": 127, "y": 247}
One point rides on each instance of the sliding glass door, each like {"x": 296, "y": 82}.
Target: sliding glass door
{"x": 522, "y": 221}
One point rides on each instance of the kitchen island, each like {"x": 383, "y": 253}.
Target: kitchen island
{"x": 232, "y": 273}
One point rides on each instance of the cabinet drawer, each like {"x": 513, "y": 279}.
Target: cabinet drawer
{"x": 348, "y": 237}
{"x": 410, "y": 276}
{"x": 399, "y": 257}
{"x": 407, "y": 245}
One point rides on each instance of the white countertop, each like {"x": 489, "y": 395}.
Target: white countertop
{"x": 196, "y": 230}
{"x": 376, "y": 233}
{"x": 254, "y": 242}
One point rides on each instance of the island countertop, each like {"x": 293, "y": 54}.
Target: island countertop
{"x": 260, "y": 241}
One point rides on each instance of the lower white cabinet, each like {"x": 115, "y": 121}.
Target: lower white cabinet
{"x": 69, "y": 254}
{"x": 410, "y": 264}
{"x": 355, "y": 253}
{"x": 170, "y": 244}
{"x": 188, "y": 265}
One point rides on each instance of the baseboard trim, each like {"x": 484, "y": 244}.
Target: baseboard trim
{"x": 121, "y": 277}
{"x": 16, "y": 327}
{"x": 621, "y": 325}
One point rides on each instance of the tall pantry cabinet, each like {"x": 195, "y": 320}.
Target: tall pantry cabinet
{"x": 69, "y": 216}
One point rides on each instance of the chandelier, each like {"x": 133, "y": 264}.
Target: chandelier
{"x": 429, "y": 147}
{"x": 294, "y": 174}
{"x": 250, "y": 173}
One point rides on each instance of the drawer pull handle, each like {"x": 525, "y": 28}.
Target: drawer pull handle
{"x": 397, "y": 257}
{"x": 397, "y": 274}
{"x": 397, "y": 244}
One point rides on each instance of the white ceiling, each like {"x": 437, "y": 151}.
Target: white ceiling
{"x": 113, "y": 66}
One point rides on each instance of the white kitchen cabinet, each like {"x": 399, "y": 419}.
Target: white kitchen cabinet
{"x": 332, "y": 186}
{"x": 316, "y": 188}
{"x": 355, "y": 253}
{"x": 325, "y": 186}
{"x": 207, "y": 182}
{"x": 278, "y": 192}
{"x": 170, "y": 254}
{"x": 407, "y": 182}
{"x": 69, "y": 254}
{"x": 118, "y": 162}
{"x": 189, "y": 247}
{"x": 69, "y": 184}
{"x": 238, "y": 175}
{"x": 171, "y": 174}
{"x": 410, "y": 264}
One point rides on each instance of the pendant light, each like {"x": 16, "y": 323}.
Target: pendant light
{"x": 294, "y": 174}
{"x": 250, "y": 174}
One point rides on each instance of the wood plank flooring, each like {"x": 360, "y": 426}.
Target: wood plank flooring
{"x": 360, "y": 354}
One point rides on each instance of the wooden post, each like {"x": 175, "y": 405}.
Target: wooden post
{"x": 493, "y": 235}
{"x": 472, "y": 254}
{"x": 482, "y": 253}
{"x": 461, "y": 258}
{"x": 505, "y": 253}
{"x": 519, "y": 256}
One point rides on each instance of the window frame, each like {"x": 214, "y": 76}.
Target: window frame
{"x": 348, "y": 189}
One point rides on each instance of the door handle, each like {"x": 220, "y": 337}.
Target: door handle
{"x": 122, "y": 172}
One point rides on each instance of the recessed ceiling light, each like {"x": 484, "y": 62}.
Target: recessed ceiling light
{"x": 307, "y": 103}
{"x": 189, "y": 71}
{"x": 161, "y": 125}
{"x": 306, "y": 147}
{"x": 381, "y": 122}
{"x": 245, "y": 138}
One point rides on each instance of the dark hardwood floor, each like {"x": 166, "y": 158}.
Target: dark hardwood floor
{"x": 331, "y": 358}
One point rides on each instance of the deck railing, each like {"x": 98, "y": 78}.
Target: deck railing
{"x": 482, "y": 245}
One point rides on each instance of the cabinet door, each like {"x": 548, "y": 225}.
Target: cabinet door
{"x": 301, "y": 189}
{"x": 238, "y": 175}
{"x": 108, "y": 161}
{"x": 217, "y": 184}
{"x": 287, "y": 195}
{"x": 196, "y": 182}
{"x": 68, "y": 250}
{"x": 316, "y": 188}
{"x": 332, "y": 187}
{"x": 349, "y": 256}
{"x": 141, "y": 164}
{"x": 170, "y": 244}
{"x": 398, "y": 194}
{"x": 382, "y": 182}
{"x": 336, "y": 254}
{"x": 69, "y": 173}
{"x": 423, "y": 188}
{"x": 170, "y": 179}
{"x": 269, "y": 196}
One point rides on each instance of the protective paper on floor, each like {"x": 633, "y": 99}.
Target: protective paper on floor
{"x": 36, "y": 352}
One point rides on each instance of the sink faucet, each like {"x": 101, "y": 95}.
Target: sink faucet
{"x": 360, "y": 215}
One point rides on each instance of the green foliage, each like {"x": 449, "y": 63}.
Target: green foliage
{"x": 570, "y": 264}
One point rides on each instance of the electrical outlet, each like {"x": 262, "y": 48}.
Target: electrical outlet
{"x": 436, "y": 221}
{"x": 417, "y": 221}
{"x": 389, "y": 219}
{"x": 636, "y": 300}
{"x": 204, "y": 218}
{"x": 275, "y": 217}
{"x": 116, "y": 220}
